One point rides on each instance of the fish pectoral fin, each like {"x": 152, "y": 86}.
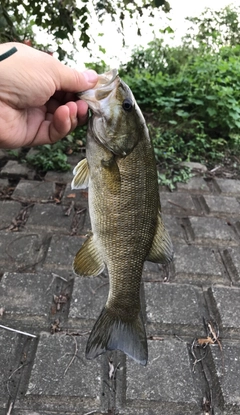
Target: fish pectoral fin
{"x": 111, "y": 174}
{"x": 81, "y": 175}
{"x": 162, "y": 249}
{"x": 88, "y": 260}
{"x": 111, "y": 333}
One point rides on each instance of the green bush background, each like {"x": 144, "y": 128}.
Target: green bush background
{"x": 189, "y": 94}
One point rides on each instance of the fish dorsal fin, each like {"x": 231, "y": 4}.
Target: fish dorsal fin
{"x": 162, "y": 249}
{"x": 81, "y": 175}
{"x": 88, "y": 260}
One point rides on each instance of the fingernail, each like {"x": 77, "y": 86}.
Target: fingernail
{"x": 91, "y": 76}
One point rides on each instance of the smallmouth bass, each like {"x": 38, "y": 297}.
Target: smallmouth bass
{"x": 124, "y": 206}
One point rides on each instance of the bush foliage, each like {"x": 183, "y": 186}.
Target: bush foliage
{"x": 205, "y": 89}
{"x": 192, "y": 92}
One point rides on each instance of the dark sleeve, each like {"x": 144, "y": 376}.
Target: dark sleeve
{"x": 8, "y": 53}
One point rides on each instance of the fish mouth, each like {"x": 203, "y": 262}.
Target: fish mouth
{"x": 105, "y": 103}
{"x": 106, "y": 79}
{"x": 107, "y": 82}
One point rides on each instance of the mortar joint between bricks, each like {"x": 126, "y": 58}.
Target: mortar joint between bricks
{"x": 229, "y": 266}
{"x": 213, "y": 186}
{"x": 187, "y": 229}
{"x": 201, "y": 204}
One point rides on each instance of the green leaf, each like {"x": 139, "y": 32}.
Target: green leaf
{"x": 159, "y": 3}
{"x": 234, "y": 115}
{"x": 103, "y": 50}
{"x": 211, "y": 97}
{"x": 211, "y": 111}
{"x": 167, "y": 29}
{"x": 182, "y": 113}
{"x": 196, "y": 101}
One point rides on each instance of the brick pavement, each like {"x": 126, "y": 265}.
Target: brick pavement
{"x": 42, "y": 225}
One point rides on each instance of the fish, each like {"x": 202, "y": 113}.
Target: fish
{"x": 124, "y": 206}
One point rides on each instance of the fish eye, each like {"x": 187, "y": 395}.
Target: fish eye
{"x": 127, "y": 105}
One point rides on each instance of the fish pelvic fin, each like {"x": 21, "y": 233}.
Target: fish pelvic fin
{"x": 162, "y": 248}
{"x": 110, "y": 332}
{"x": 81, "y": 175}
{"x": 88, "y": 260}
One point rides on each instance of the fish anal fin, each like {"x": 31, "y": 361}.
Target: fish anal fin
{"x": 112, "y": 333}
{"x": 162, "y": 249}
{"x": 81, "y": 175}
{"x": 88, "y": 260}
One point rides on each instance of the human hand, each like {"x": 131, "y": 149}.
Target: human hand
{"x": 38, "y": 102}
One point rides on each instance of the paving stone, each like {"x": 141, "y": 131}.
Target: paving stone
{"x": 59, "y": 177}
{"x": 174, "y": 228}
{"x": 167, "y": 385}
{"x": 80, "y": 197}
{"x": 49, "y": 217}
{"x": 179, "y": 203}
{"x": 3, "y": 154}
{"x": 229, "y": 187}
{"x": 167, "y": 377}
{"x": 151, "y": 269}
{"x": 55, "y": 405}
{"x": 18, "y": 250}
{"x": 53, "y": 375}
{"x": 9, "y": 210}
{"x": 223, "y": 206}
{"x": 33, "y": 152}
{"x": 194, "y": 166}
{"x": 226, "y": 305}
{"x": 153, "y": 272}
{"x": 81, "y": 221}
{"x": 88, "y": 297}
{"x": 160, "y": 408}
{"x": 196, "y": 264}
{"x": 194, "y": 185}
{"x": 74, "y": 159}
{"x": 235, "y": 257}
{"x": 8, "y": 350}
{"x": 33, "y": 190}
{"x": 12, "y": 169}
{"x": 226, "y": 370}
{"x": 62, "y": 251}
{"x": 37, "y": 412}
{"x": 213, "y": 230}
{"x": 78, "y": 205}
{"x": 173, "y": 308}
{"x": 3, "y": 183}
{"x": 24, "y": 295}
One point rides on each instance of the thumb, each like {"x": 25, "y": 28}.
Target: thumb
{"x": 71, "y": 80}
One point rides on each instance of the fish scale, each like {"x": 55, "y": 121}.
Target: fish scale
{"x": 124, "y": 208}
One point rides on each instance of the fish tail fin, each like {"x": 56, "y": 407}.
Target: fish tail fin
{"x": 110, "y": 332}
